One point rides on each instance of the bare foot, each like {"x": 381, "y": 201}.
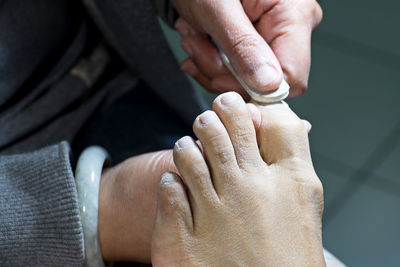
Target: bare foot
{"x": 231, "y": 204}
{"x": 127, "y": 206}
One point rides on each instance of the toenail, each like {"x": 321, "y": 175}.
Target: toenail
{"x": 184, "y": 142}
{"x": 167, "y": 179}
{"x": 230, "y": 99}
{"x": 206, "y": 118}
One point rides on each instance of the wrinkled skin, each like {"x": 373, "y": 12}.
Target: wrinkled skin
{"x": 266, "y": 41}
{"x": 248, "y": 195}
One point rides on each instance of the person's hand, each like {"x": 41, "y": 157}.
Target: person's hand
{"x": 127, "y": 206}
{"x": 260, "y": 37}
{"x": 248, "y": 196}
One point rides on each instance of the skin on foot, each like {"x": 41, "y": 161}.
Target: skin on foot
{"x": 247, "y": 195}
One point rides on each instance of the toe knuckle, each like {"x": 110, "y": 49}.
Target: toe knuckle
{"x": 216, "y": 139}
{"x": 304, "y": 175}
{"x": 223, "y": 154}
{"x": 224, "y": 158}
{"x": 315, "y": 190}
{"x": 245, "y": 135}
{"x": 318, "y": 188}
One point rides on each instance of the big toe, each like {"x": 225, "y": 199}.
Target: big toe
{"x": 282, "y": 135}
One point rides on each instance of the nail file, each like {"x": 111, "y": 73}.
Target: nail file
{"x": 258, "y": 98}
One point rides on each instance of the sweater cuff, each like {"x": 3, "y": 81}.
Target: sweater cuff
{"x": 167, "y": 11}
{"x": 39, "y": 213}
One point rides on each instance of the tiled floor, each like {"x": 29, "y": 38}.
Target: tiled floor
{"x": 353, "y": 102}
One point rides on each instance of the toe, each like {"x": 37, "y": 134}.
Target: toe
{"x": 173, "y": 223}
{"x": 173, "y": 207}
{"x": 236, "y": 117}
{"x": 193, "y": 168}
{"x": 217, "y": 147}
{"x": 282, "y": 135}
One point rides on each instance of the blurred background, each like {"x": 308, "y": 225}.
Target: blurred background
{"x": 353, "y": 103}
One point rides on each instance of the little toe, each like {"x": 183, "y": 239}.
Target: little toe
{"x": 173, "y": 207}
{"x": 236, "y": 117}
{"x": 194, "y": 171}
{"x": 217, "y": 147}
{"x": 173, "y": 224}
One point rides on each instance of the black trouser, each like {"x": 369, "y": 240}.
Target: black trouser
{"x": 136, "y": 123}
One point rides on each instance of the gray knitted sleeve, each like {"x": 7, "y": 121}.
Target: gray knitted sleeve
{"x": 39, "y": 215}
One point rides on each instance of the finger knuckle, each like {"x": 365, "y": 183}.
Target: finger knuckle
{"x": 297, "y": 78}
{"x": 304, "y": 12}
{"x": 301, "y": 87}
{"x": 243, "y": 42}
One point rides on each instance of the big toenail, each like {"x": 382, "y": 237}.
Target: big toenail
{"x": 184, "y": 142}
{"x": 230, "y": 99}
{"x": 206, "y": 118}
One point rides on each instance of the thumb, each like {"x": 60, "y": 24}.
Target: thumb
{"x": 250, "y": 55}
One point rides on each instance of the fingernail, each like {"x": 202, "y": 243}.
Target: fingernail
{"x": 266, "y": 78}
{"x": 206, "y": 118}
{"x": 188, "y": 49}
{"x": 184, "y": 142}
{"x": 230, "y": 99}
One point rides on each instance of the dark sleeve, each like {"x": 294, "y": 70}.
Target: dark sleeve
{"x": 39, "y": 214}
{"x": 166, "y": 11}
